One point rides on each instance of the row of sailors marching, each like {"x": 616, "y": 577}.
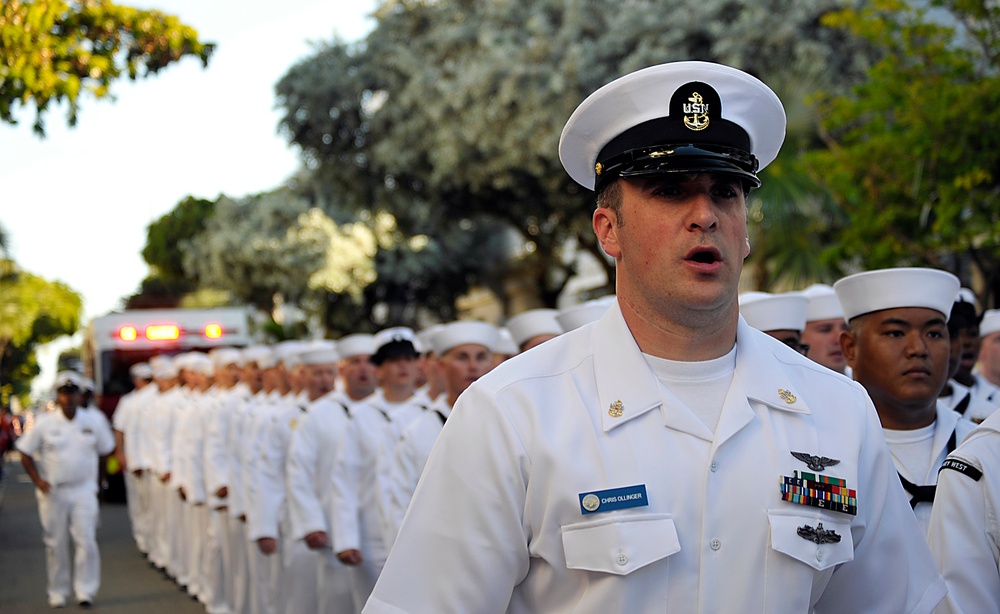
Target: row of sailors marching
{"x": 274, "y": 478}
{"x": 272, "y": 490}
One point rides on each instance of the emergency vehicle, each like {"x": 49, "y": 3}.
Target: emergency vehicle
{"x": 115, "y": 342}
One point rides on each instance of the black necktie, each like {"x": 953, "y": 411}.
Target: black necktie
{"x": 918, "y": 494}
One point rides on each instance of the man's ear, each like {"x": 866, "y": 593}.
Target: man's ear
{"x": 606, "y": 228}
{"x": 849, "y": 346}
{"x": 746, "y": 252}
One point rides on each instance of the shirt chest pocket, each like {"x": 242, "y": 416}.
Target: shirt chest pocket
{"x": 812, "y": 539}
{"x": 619, "y": 545}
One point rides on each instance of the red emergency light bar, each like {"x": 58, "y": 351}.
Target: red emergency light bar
{"x": 167, "y": 332}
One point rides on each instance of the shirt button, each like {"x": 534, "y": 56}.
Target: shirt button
{"x": 622, "y": 559}
{"x": 819, "y": 555}
{"x": 715, "y": 544}
{"x": 714, "y": 466}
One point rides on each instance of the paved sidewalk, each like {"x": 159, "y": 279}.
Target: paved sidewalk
{"x": 129, "y": 585}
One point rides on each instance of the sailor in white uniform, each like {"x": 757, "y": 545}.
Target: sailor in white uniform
{"x": 571, "y": 478}
{"x": 61, "y": 454}
{"x": 964, "y": 530}
{"x": 898, "y": 349}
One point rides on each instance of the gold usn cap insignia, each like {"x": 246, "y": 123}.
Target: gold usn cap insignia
{"x": 786, "y": 396}
{"x": 696, "y": 112}
{"x": 617, "y": 409}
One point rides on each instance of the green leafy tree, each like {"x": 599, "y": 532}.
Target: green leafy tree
{"x": 54, "y": 50}
{"x": 453, "y": 109}
{"x": 913, "y": 151}
{"x": 33, "y": 311}
{"x": 163, "y": 236}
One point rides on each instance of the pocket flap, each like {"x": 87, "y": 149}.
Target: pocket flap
{"x": 786, "y": 538}
{"x": 619, "y": 545}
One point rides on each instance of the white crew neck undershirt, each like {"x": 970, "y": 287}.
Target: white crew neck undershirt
{"x": 701, "y": 386}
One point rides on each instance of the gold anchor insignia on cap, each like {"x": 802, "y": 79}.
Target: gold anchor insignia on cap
{"x": 617, "y": 409}
{"x": 698, "y": 109}
{"x": 786, "y": 396}
{"x": 598, "y": 168}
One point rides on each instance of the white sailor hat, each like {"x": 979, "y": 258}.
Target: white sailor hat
{"x": 426, "y": 337}
{"x": 262, "y": 355}
{"x": 505, "y": 344}
{"x": 765, "y": 311}
{"x": 163, "y": 366}
{"x": 67, "y": 380}
{"x": 680, "y": 117}
{"x": 200, "y": 363}
{"x": 226, "y": 356}
{"x": 319, "y": 353}
{"x": 990, "y": 323}
{"x": 182, "y": 361}
{"x": 532, "y": 323}
{"x": 458, "y": 333}
{"x": 395, "y": 342}
{"x": 358, "y": 344}
{"x": 287, "y": 352}
{"x": 870, "y": 291}
{"x": 823, "y": 303}
{"x": 140, "y": 370}
{"x": 576, "y": 316}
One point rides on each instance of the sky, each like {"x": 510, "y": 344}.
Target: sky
{"x": 76, "y": 204}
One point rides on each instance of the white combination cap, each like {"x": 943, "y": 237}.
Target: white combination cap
{"x": 680, "y": 117}
{"x": 823, "y": 303}
{"x": 870, "y": 291}
{"x": 69, "y": 379}
{"x": 532, "y": 323}
{"x": 765, "y": 311}
{"x": 140, "y": 370}
{"x": 458, "y": 333}
{"x": 358, "y": 344}
{"x": 395, "y": 342}
{"x": 262, "y": 355}
{"x": 990, "y": 323}
{"x": 576, "y": 316}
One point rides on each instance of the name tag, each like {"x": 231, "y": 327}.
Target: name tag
{"x": 613, "y": 499}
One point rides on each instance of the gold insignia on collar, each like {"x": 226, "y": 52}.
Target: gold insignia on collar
{"x": 617, "y": 409}
{"x": 698, "y": 109}
{"x": 786, "y": 396}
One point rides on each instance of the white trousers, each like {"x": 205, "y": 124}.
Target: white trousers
{"x": 197, "y": 527}
{"x": 239, "y": 573}
{"x": 335, "y": 594}
{"x": 70, "y": 513}
{"x": 139, "y": 498}
{"x": 263, "y": 571}
{"x": 299, "y": 590}
{"x": 216, "y": 562}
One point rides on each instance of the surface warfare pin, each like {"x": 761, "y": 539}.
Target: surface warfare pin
{"x": 819, "y": 535}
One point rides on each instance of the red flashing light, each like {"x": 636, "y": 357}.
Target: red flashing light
{"x": 213, "y": 331}
{"x": 128, "y": 333}
{"x": 163, "y": 332}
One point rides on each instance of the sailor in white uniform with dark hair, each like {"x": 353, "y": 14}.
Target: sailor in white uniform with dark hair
{"x": 898, "y": 349}
{"x": 60, "y": 454}
{"x": 576, "y": 478}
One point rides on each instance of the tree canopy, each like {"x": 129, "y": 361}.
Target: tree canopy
{"x": 913, "y": 151}
{"x": 453, "y": 109}
{"x": 54, "y": 50}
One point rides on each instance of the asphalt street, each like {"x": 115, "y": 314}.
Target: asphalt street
{"x": 129, "y": 585}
